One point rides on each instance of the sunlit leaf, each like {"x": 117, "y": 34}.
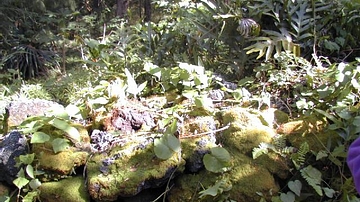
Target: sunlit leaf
{"x": 30, "y": 171}
{"x": 27, "y": 159}
{"x": 71, "y": 131}
{"x": 39, "y": 137}
{"x": 217, "y": 160}
{"x": 34, "y": 183}
{"x": 20, "y": 182}
{"x": 60, "y": 144}
{"x": 161, "y": 150}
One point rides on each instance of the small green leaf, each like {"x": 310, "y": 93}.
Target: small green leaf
{"x": 31, "y": 127}
{"x": 59, "y": 144}
{"x": 339, "y": 151}
{"x": 288, "y": 197}
{"x": 161, "y": 150}
{"x": 27, "y": 159}
{"x": 34, "y": 183}
{"x": 20, "y": 182}
{"x": 39, "y": 137}
{"x": 217, "y": 161}
{"x": 30, "y": 171}
{"x": 321, "y": 154}
{"x": 329, "y": 192}
{"x": 217, "y": 188}
{"x": 295, "y": 186}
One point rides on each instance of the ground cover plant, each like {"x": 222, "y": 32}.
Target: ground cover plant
{"x": 299, "y": 56}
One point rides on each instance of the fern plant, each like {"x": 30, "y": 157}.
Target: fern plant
{"x": 294, "y": 25}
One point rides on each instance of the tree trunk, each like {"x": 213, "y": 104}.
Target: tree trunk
{"x": 147, "y": 8}
{"x": 121, "y": 9}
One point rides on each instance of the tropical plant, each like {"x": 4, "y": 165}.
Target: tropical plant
{"x": 30, "y": 62}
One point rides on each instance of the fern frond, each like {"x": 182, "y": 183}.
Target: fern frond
{"x": 298, "y": 158}
{"x": 313, "y": 178}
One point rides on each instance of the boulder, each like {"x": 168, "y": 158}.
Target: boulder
{"x": 12, "y": 146}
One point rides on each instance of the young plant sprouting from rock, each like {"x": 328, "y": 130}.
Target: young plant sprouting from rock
{"x": 168, "y": 144}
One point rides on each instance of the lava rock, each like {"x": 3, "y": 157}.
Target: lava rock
{"x": 13, "y": 145}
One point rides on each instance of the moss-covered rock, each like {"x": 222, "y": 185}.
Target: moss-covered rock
{"x": 71, "y": 189}
{"x": 61, "y": 163}
{"x": 241, "y": 183}
{"x": 246, "y": 131}
{"x": 311, "y": 129}
{"x": 125, "y": 171}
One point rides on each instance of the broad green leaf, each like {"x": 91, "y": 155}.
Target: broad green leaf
{"x": 71, "y": 131}
{"x": 59, "y": 144}
{"x": 295, "y": 186}
{"x": 34, "y": 183}
{"x": 173, "y": 143}
{"x": 30, "y": 171}
{"x": 288, "y": 197}
{"x": 27, "y": 159}
{"x": 329, "y": 192}
{"x": 217, "y": 160}
{"x": 220, "y": 153}
{"x": 161, "y": 150}
{"x": 20, "y": 182}
{"x": 39, "y": 137}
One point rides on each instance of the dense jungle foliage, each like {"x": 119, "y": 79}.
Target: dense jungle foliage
{"x": 300, "y": 56}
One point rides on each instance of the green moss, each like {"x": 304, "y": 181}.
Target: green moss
{"x": 311, "y": 129}
{"x": 61, "y": 163}
{"x": 246, "y": 177}
{"x": 246, "y": 139}
{"x": 71, "y": 190}
{"x": 274, "y": 163}
{"x": 126, "y": 175}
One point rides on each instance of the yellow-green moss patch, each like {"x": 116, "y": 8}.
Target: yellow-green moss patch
{"x": 70, "y": 190}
